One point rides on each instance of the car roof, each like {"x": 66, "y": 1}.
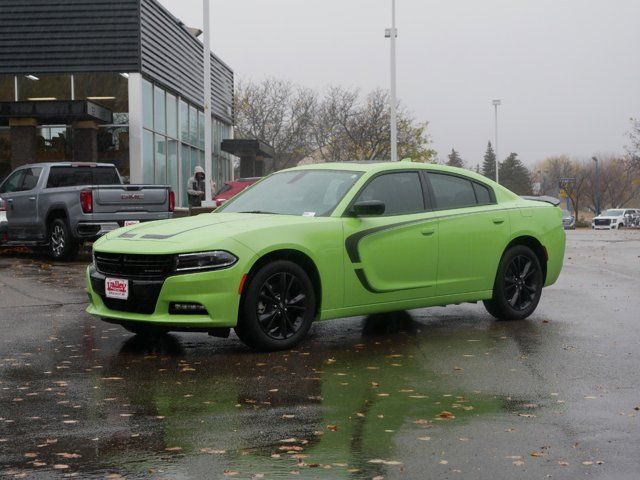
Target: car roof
{"x": 378, "y": 166}
{"x": 66, "y": 164}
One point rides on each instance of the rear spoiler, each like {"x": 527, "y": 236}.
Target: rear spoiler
{"x": 544, "y": 198}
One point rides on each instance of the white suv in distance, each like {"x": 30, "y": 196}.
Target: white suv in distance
{"x": 614, "y": 218}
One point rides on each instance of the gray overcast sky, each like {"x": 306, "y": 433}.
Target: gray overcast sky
{"x": 567, "y": 71}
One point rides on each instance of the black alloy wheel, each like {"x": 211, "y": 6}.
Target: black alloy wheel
{"x": 277, "y": 307}
{"x": 62, "y": 246}
{"x": 518, "y": 285}
{"x": 281, "y": 306}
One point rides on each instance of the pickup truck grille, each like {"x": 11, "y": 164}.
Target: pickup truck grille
{"x": 155, "y": 267}
{"x": 602, "y": 221}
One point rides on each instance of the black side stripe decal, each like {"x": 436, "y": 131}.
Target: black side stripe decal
{"x": 352, "y": 241}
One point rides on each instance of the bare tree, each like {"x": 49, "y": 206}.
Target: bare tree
{"x": 340, "y": 125}
{"x": 279, "y": 113}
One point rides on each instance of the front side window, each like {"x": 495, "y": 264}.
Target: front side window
{"x": 31, "y": 176}
{"x": 13, "y": 183}
{"x": 451, "y": 191}
{"x": 310, "y": 193}
{"x": 400, "y": 192}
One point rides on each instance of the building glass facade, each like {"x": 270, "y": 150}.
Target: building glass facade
{"x": 173, "y": 141}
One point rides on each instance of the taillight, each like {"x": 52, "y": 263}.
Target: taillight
{"x": 172, "y": 200}
{"x": 86, "y": 201}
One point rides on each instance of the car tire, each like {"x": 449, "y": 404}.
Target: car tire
{"x": 518, "y": 285}
{"x": 62, "y": 245}
{"x": 277, "y": 307}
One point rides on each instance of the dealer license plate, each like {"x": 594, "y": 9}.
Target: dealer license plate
{"x": 131, "y": 222}
{"x": 117, "y": 288}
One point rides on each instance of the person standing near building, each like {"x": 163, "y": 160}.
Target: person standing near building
{"x": 196, "y": 188}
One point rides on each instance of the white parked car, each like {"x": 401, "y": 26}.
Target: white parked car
{"x": 613, "y": 218}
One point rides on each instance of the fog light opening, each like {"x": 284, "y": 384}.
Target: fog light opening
{"x": 187, "y": 308}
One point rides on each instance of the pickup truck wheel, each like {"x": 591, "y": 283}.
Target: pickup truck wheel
{"x": 277, "y": 308}
{"x": 62, "y": 245}
{"x": 518, "y": 285}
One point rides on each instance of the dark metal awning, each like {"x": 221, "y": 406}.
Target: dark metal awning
{"x": 50, "y": 112}
{"x": 247, "y": 147}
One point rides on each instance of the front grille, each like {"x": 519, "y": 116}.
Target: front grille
{"x": 143, "y": 295}
{"x": 156, "y": 267}
{"x": 602, "y": 221}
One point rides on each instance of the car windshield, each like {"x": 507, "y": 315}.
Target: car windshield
{"x": 612, "y": 213}
{"x": 566, "y": 214}
{"x": 311, "y": 193}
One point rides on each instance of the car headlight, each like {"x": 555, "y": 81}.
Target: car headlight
{"x": 214, "y": 260}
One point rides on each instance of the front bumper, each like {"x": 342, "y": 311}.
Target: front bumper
{"x": 216, "y": 290}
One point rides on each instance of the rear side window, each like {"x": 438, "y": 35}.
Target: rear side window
{"x": 451, "y": 191}
{"x": 482, "y": 194}
{"x": 400, "y": 192}
{"x": 80, "y": 176}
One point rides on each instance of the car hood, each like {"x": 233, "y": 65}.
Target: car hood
{"x": 190, "y": 234}
{"x": 607, "y": 217}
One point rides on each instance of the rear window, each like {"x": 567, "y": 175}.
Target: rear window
{"x": 80, "y": 176}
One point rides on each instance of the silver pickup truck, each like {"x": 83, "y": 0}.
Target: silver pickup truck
{"x": 61, "y": 205}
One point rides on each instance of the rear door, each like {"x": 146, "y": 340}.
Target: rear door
{"x": 473, "y": 231}
{"x": 391, "y": 257}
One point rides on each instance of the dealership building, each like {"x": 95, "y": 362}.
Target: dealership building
{"x": 117, "y": 81}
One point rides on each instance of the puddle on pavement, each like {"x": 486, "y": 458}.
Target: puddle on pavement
{"x": 179, "y": 407}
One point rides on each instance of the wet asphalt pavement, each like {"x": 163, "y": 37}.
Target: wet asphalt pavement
{"x": 434, "y": 393}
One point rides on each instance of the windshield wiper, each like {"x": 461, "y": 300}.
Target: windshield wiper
{"x": 259, "y": 211}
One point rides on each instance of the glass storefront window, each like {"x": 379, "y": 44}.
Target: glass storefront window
{"x": 159, "y": 110}
{"x": 193, "y": 125}
{"x": 54, "y": 144}
{"x": 147, "y": 157}
{"x": 110, "y": 90}
{"x": 172, "y": 116}
{"x": 44, "y": 87}
{"x": 113, "y": 147}
{"x": 147, "y": 104}
{"x": 184, "y": 121}
{"x": 185, "y": 163}
{"x": 7, "y": 88}
{"x": 172, "y": 165}
{"x": 160, "y": 176}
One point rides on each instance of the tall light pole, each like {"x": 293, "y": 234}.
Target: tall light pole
{"x": 496, "y": 103}
{"x": 392, "y": 33}
{"x": 206, "y": 54}
{"x": 597, "y": 186}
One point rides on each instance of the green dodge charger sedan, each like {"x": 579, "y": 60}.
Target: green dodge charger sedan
{"x": 329, "y": 241}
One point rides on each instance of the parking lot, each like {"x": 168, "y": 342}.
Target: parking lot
{"x": 447, "y": 392}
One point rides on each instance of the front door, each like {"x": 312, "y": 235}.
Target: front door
{"x": 393, "y": 256}
{"x": 22, "y": 205}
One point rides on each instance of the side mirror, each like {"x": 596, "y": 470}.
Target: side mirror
{"x": 366, "y": 208}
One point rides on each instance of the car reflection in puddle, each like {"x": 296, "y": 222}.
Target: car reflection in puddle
{"x": 344, "y": 404}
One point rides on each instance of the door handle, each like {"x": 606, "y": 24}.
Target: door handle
{"x": 498, "y": 220}
{"x": 428, "y": 231}
{"x": 32, "y": 199}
